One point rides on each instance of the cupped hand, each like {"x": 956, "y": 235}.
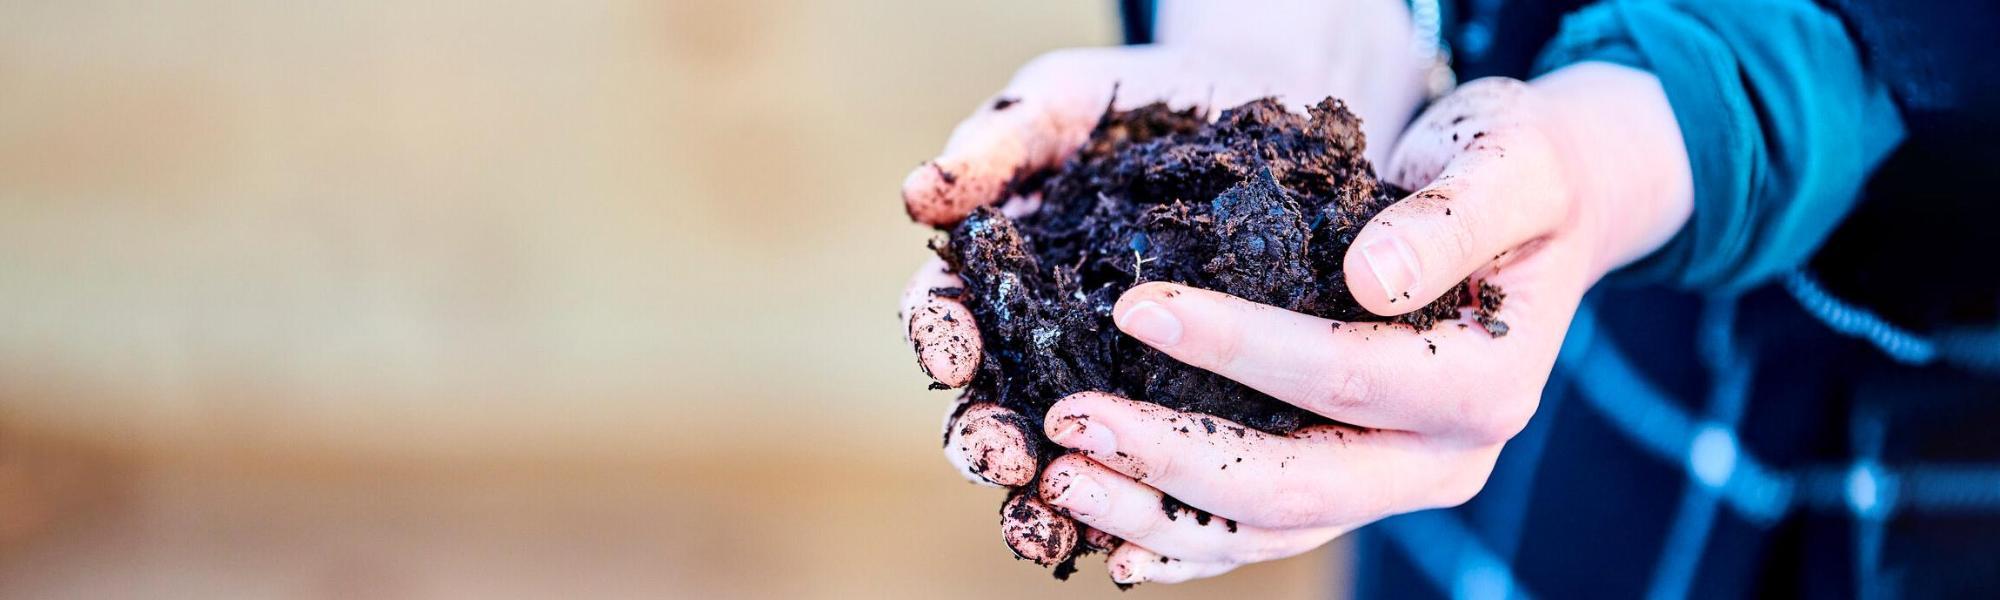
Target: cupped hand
{"x": 1537, "y": 190}
{"x": 1211, "y": 55}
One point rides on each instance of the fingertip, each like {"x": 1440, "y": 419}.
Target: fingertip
{"x": 990, "y": 444}
{"x": 1187, "y": 303}
{"x": 942, "y": 191}
{"x": 1129, "y": 564}
{"x": 1079, "y": 405}
{"x": 1055, "y": 478}
{"x": 1035, "y": 531}
{"x": 941, "y": 329}
{"x": 1383, "y": 271}
{"x": 1151, "y": 291}
{"x": 925, "y": 192}
{"x": 948, "y": 345}
{"x": 1070, "y": 482}
{"x": 1071, "y": 423}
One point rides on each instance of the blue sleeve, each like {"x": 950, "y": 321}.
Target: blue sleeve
{"x": 1782, "y": 120}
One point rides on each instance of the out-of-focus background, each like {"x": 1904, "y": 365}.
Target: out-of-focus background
{"x": 468, "y": 299}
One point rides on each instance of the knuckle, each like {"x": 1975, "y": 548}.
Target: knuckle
{"x": 1156, "y": 468}
{"x": 1495, "y": 419}
{"x": 1333, "y": 391}
{"x": 1460, "y": 240}
{"x": 1144, "y": 527}
{"x": 1225, "y": 349}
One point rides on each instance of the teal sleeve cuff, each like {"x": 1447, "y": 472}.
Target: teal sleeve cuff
{"x": 1782, "y": 121}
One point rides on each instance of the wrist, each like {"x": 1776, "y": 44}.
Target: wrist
{"x": 1623, "y": 157}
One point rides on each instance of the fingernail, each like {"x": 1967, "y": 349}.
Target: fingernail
{"x": 1083, "y": 497}
{"x": 1078, "y": 433}
{"x": 1151, "y": 323}
{"x": 1394, "y": 264}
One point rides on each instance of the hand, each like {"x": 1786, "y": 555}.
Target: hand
{"x": 1212, "y": 54}
{"x": 1536, "y": 189}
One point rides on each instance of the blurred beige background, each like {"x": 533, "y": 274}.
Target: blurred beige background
{"x": 467, "y": 299}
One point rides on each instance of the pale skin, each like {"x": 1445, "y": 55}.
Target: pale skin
{"x": 1539, "y": 187}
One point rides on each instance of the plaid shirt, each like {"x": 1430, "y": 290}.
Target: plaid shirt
{"x": 1868, "y": 464}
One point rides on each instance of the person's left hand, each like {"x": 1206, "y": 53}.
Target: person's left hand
{"x": 1537, "y": 189}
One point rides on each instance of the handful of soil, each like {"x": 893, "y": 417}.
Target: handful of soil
{"x": 1262, "y": 204}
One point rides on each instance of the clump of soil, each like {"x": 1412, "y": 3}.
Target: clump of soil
{"x": 1262, "y": 204}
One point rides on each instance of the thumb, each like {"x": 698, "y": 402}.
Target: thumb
{"x": 1490, "y": 184}
{"x": 1045, "y": 113}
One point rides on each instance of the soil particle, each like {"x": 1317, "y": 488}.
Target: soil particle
{"x": 1174, "y": 509}
{"x": 1067, "y": 567}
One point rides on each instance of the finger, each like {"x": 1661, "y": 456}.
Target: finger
{"x": 1114, "y": 503}
{"x": 1096, "y": 540}
{"x": 940, "y": 327}
{"x": 1368, "y": 374}
{"x": 1324, "y": 476}
{"x": 1490, "y": 184}
{"x": 1133, "y": 564}
{"x": 1046, "y": 113}
{"x": 1042, "y": 116}
{"x": 990, "y": 444}
{"x": 1035, "y": 531}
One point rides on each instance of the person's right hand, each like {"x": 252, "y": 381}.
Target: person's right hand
{"x": 1210, "y": 55}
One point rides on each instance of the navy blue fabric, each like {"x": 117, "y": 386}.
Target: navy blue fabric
{"x": 1848, "y": 473}
{"x": 1136, "y": 18}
